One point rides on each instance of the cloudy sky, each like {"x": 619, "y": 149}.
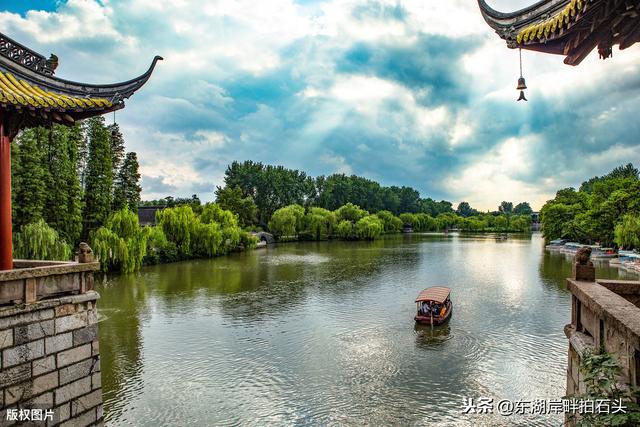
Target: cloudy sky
{"x": 415, "y": 92}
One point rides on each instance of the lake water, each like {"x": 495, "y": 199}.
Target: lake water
{"x": 323, "y": 334}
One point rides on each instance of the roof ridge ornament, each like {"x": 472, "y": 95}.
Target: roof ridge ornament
{"x": 26, "y": 57}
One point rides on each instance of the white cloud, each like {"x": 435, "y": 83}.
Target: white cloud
{"x": 262, "y": 80}
{"x": 493, "y": 177}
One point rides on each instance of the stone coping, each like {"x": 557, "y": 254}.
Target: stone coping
{"x": 621, "y": 287}
{"x": 48, "y": 303}
{"x": 582, "y": 343}
{"x": 45, "y": 268}
{"x": 608, "y": 305}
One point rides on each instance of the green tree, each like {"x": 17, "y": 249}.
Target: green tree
{"x": 506, "y": 207}
{"x": 99, "y": 175}
{"x": 465, "y": 210}
{"x": 117, "y": 149}
{"x": 392, "y": 224}
{"x": 287, "y": 221}
{"x": 63, "y": 196}
{"x": 29, "y": 183}
{"x": 121, "y": 244}
{"x": 178, "y": 224}
{"x": 523, "y": 209}
{"x": 319, "y": 223}
{"x": 39, "y": 241}
{"x": 127, "y": 184}
{"x": 214, "y": 213}
{"x": 350, "y": 212}
{"x": 271, "y": 187}
{"x": 345, "y": 230}
{"x": 627, "y": 232}
{"x": 369, "y": 228}
{"x": 244, "y": 207}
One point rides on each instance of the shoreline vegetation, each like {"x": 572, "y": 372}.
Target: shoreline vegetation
{"x": 78, "y": 184}
{"x": 604, "y": 210}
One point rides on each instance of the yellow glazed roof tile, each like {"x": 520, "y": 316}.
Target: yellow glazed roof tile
{"x": 20, "y": 92}
{"x": 544, "y": 29}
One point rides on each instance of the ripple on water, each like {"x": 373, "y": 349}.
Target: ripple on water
{"x": 319, "y": 339}
{"x": 312, "y": 259}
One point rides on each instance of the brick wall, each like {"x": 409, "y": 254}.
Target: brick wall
{"x": 49, "y": 359}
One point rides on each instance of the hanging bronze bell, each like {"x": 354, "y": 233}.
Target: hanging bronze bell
{"x": 521, "y": 87}
{"x": 521, "y": 84}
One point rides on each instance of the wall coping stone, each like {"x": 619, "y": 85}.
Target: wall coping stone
{"x": 608, "y": 305}
{"x": 49, "y": 303}
{"x": 45, "y": 268}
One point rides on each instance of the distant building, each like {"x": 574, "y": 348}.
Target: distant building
{"x": 147, "y": 215}
{"x": 535, "y": 221}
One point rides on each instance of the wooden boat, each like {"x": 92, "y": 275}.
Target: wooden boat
{"x": 434, "y": 306}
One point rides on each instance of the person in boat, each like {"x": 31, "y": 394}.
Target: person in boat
{"x": 436, "y": 309}
{"x": 426, "y": 308}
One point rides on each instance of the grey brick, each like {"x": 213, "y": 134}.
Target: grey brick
{"x": 24, "y": 318}
{"x": 34, "y": 331}
{"x": 73, "y": 355}
{"x": 61, "y": 413}
{"x": 6, "y": 338}
{"x": 15, "y": 375}
{"x": 96, "y": 381}
{"x": 92, "y": 317}
{"x": 42, "y": 366}
{"x": 45, "y": 400}
{"x": 58, "y": 343}
{"x": 86, "y": 419}
{"x": 73, "y": 390}
{"x": 86, "y": 402}
{"x": 95, "y": 347}
{"x": 85, "y": 335}
{"x": 34, "y": 387}
{"x": 22, "y": 353}
{"x": 65, "y": 310}
{"x": 68, "y": 323}
{"x": 79, "y": 370}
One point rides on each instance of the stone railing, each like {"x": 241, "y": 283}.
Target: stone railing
{"x": 31, "y": 281}
{"x": 49, "y": 351}
{"x": 605, "y": 314}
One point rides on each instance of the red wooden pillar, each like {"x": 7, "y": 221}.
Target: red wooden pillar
{"x": 6, "y": 245}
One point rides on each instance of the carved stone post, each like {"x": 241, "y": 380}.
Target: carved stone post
{"x": 583, "y": 269}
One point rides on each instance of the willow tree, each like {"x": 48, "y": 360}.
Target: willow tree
{"x": 627, "y": 232}
{"x": 39, "y": 241}
{"x": 121, "y": 244}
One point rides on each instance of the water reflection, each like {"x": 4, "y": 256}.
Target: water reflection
{"x": 428, "y": 337}
{"x": 323, "y": 333}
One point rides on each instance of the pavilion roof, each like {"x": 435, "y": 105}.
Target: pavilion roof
{"x": 29, "y": 89}
{"x": 568, "y": 27}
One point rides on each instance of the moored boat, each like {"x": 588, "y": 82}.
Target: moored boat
{"x": 597, "y": 251}
{"x": 434, "y": 305}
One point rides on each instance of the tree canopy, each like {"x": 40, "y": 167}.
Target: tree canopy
{"x": 602, "y": 211}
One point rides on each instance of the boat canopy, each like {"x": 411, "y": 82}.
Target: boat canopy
{"x": 437, "y": 294}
